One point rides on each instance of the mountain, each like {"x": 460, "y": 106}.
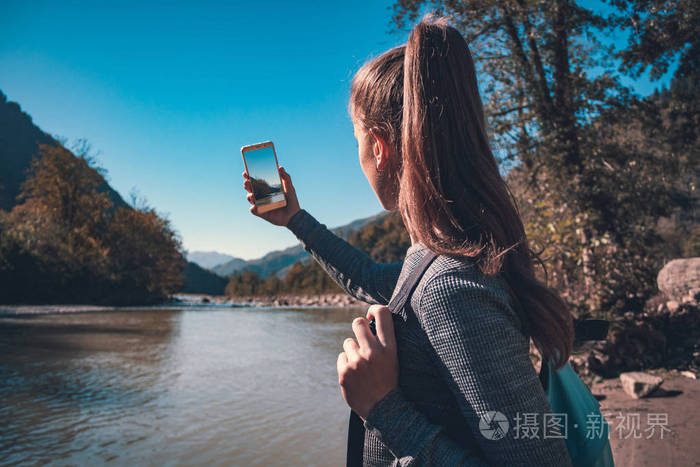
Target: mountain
{"x": 279, "y": 262}
{"x": 19, "y": 142}
{"x": 74, "y": 239}
{"x": 209, "y": 259}
{"x": 271, "y": 263}
{"x": 200, "y": 280}
{"x": 384, "y": 240}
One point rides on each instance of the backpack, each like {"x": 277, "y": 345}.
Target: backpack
{"x": 586, "y": 428}
{"x": 566, "y": 393}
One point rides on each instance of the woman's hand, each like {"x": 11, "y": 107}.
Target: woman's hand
{"x": 278, "y": 216}
{"x": 369, "y": 368}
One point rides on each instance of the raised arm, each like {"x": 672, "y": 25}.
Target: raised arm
{"x": 351, "y": 268}
{"x": 348, "y": 266}
{"x": 484, "y": 359}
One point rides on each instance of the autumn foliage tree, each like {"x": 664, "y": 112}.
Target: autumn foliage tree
{"x": 592, "y": 164}
{"x": 67, "y": 242}
{"x": 145, "y": 254}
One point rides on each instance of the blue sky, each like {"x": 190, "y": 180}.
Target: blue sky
{"x": 169, "y": 92}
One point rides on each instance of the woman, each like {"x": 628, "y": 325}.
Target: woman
{"x": 425, "y": 382}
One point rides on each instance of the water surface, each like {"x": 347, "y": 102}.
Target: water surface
{"x": 245, "y": 386}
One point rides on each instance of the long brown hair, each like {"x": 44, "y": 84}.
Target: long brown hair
{"x": 423, "y": 99}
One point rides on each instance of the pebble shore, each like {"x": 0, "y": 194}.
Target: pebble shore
{"x": 334, "y": 300}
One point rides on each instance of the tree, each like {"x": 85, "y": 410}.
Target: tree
{"x": 557, "y": 127}
{"x": 66, "y": 243}
{"x": 145, "y": 254}
{"x": 385, "y": 241}
{"x": 246, "y": 283}
{"x": 63, "y": 216}
{"x": 661, "y": 32}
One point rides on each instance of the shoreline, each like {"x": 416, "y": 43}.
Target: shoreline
{"x": 331, "y": 300}
{"x": 336, "y": 300}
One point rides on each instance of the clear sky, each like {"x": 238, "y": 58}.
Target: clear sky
{"x": 168, "y": 92}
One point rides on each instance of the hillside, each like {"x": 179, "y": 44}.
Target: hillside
{"x": 383, "y": 238}
{"x": 20, "y": 139}
{"x": 66, "y": 236}
{"x": 19, "y": 142}
{"x": 280, "y": 262}
{"x": 200, "y": 280}
{"x": 270, "y": 263}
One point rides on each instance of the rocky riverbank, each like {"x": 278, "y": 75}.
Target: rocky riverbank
{"x": 302, "y": 300}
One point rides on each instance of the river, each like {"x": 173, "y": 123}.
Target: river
{"x": 187, "y": 386}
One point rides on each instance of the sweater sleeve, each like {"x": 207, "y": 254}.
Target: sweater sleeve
{"x": 483, "y": 357}
{"x": 350, "y": 268}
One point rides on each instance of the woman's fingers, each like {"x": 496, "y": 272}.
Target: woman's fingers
{"x": 286, "y": 180}
{"x": 342, "y": 362}
{"x": 364, "y": 335}
{"x": 384, "y": 325}
{"x": 248, "y": 186}
{"x": 351, "y": 349}
{"x": 250, "y": 198}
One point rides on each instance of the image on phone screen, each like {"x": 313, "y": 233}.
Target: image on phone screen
{"x": 264, "y": 176}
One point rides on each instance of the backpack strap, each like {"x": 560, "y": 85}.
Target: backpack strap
{"x": 356, "y": 428}
{"x": 356, "y": 441}
{"x": 397, "y": 304}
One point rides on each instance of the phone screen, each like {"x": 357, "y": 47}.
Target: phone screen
{"x": 264, "y": 176}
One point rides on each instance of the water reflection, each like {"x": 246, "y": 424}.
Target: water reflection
{"x": 223, "y": 387}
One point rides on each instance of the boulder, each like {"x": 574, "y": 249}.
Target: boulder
{"x": 680, "y": 278}
{"x": 638, "y": 384}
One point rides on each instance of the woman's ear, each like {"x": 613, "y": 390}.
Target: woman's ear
{"x": 380, "y": 151}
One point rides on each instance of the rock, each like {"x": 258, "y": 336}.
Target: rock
{"x": 689, "y": 374}
{"x": 680, "y": 277}
{"x": 638, "y": 384}
{"x": 598, "y": 361}
{"x": 672, "y": 306}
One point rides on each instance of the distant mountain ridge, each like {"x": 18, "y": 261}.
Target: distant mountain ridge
{"x": 280, "y": 261}
{"x": 209, "y": 259}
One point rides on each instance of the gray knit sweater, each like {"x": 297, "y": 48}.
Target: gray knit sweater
{"x": 462, "y": 355}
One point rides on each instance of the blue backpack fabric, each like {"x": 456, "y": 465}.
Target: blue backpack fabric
{"x": 586, "y": 428}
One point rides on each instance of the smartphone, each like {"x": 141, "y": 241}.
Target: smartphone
{"x": 261, "y": 165}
